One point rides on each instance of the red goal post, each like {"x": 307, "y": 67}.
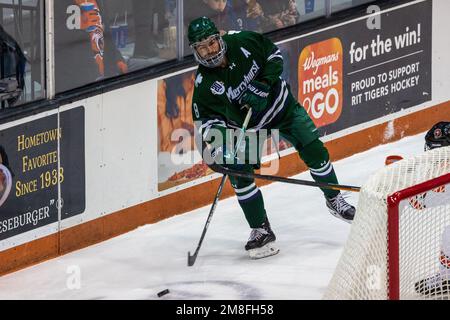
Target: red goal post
{"x": 396, "y": 239}
{"x": 409, "y": 194}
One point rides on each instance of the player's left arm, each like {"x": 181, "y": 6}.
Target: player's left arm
{"x": 273, "y": 61}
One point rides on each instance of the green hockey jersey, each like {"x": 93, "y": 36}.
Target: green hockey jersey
{"x": 251, "y": 56}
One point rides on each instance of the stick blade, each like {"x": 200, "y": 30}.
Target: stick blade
{"x": 191, "y": 259}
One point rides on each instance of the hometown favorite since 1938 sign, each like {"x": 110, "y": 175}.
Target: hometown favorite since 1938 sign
{"x": 30, "y": 154}
{"x": 358, "y": 72}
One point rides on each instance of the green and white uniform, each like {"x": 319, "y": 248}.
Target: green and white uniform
{"x": 252, "y": 56}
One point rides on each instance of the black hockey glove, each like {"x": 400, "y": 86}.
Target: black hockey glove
{"x": 222, "y": 158}
{"x": 216, "y": 151}
{"x": 256, "y": 96}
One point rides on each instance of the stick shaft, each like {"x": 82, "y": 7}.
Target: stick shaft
{"x": 286, "y": 180}
{"x": 191, "y": 259}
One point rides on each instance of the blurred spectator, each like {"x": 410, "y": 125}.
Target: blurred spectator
{"x": 219, "y": 11}
{"x": 248, "y": 14}
{"x": 113, "y": 61}
{"x": 279, "y": 14}
{"x": 84, "y": 51}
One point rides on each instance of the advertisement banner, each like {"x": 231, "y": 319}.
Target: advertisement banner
{"x": 366, "y": 69}
{"x": 30, "y": 173}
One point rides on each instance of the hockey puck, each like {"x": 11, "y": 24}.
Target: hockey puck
{"x": 162, "y": 293}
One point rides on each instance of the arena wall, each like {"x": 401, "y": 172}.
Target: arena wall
{"x": 118, "y": 141}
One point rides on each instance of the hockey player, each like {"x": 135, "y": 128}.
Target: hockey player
{"x": 239, "y": 69}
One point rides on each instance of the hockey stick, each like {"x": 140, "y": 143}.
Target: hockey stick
{"x": 221, "y": 169}
{"x": 277, "y": 147}
{"x": 192, "y": 258}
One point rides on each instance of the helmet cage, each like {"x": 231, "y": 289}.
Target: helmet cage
{"x": 215, "y": 60}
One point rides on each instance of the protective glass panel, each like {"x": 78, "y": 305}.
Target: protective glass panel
{"x": 98, "y": 39}
{"x": 21, "y": 52}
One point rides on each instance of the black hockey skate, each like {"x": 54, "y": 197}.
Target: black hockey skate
{"x": 434, "y": 285}
{"x": 340, "y": 208}
{"x": 261, "y": 243}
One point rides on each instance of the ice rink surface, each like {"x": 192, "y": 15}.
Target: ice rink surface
{"x": 141, "y": 263}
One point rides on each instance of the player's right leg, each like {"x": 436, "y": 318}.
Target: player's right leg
{"x": 261, "y": 242}
{"x": 316, "y": 157}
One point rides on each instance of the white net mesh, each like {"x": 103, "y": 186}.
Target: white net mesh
{"x": 424, "y": 234}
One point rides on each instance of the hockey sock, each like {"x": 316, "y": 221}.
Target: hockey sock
{"x": 250, "y": 199}
{"x": 316, "y": 157}
{"x": 254, "y": 210}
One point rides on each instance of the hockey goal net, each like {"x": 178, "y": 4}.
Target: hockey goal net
{"x": 399, "y": 242}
